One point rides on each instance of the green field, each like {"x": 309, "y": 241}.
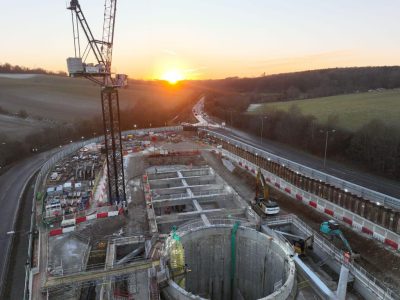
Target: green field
{"x": 353, "y": 110}
{"x": 49, "y": 99}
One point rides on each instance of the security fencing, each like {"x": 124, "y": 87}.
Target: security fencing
{"x": 378, "y": 288}
{"x": 312, "y": 173}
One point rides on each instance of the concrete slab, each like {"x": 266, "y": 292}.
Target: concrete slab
{"x": 66, "y": 254}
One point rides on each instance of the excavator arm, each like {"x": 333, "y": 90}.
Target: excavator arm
{"x": 265, "y": 186}
{"x": 345, "y": 241}
{"x": 262, "y": 188}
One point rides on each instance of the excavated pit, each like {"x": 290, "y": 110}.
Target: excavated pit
{"x": 263, "y": 268}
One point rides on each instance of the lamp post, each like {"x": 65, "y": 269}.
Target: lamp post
{"x": 262, "y": 128}
{"x": 326, "y": 142}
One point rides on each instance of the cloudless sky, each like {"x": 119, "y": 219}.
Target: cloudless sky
{"x": 210, "y": 38}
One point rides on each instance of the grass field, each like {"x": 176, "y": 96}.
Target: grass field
{"x": 353, "y": 110}
{"x": 64, "y": 99}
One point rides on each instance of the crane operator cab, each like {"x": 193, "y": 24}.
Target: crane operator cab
{"x": 329, "y": 226}
{"x": 269, "y": 207}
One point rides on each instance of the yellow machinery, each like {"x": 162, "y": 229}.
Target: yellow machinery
{"x": 177, "y": 259}
{"x": 262, "y": 199}
{"x": 300, "y": 243}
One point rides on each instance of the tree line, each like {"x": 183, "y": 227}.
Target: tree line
{"x": 306, "y": 84}
{"x": 375, "y": 146}
{"x": 7, "y": 68}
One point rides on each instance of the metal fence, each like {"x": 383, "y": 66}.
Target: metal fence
{"x": 193, "y": 224}
{"x": 312, "y": 173}
{"x": 380, "y": 290}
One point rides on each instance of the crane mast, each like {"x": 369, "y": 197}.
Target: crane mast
{"x": 100, "y": 73}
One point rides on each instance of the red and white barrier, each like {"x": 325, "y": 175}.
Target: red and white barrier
{"x": 79, "y": 220}
{"x": 356, "y": 222}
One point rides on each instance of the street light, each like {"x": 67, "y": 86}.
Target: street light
{"x": 326, "y": 142}
{"x": 262, "y": 128}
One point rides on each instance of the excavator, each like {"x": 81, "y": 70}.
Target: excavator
{"x": 300, "y": 243}
{"x": 262, "y": 204}
{"x": 331, "y": 228}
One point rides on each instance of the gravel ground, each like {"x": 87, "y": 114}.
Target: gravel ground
{"x": 384, "y": 264}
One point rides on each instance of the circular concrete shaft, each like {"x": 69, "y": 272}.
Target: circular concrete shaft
{"x": 261, "y": 267}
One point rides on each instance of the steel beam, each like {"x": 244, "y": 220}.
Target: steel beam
{"x": 113, "y": 145}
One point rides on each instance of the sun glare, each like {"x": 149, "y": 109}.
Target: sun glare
{"x": 172, "y": 76}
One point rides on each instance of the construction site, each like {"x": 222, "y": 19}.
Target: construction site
{"x": 187, "y": 212}
{"x": 194, "y": 229}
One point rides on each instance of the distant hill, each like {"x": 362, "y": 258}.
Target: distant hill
{"x": 49, "y": 97}
{"x": 59, "y": 99}
{"x": 308, "y": 84}
{"x": 67, "y": 99}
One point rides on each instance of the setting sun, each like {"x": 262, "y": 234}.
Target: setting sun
{"x": 172, "y": 76}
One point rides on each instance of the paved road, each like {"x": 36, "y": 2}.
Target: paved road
{"x": 15, "y": 283}
{"x": 12, "y": 184}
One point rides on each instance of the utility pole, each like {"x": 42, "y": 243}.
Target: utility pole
{"x": 326, "y": 142}
{"x": 262, "y": 128}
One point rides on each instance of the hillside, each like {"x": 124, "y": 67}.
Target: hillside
{"x": 55, "y": 99}
{"x": 66, "y": 99}
{"x": 350, "y": 111}
{"x": 308, "y": 84}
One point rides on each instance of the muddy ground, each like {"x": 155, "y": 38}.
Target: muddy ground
{"x": 378, "y": 260}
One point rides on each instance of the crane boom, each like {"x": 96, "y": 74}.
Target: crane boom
{"x": 75, "y": 7}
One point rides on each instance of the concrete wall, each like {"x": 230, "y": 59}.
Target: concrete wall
{"x": 361, "y": 214}
{"x": 261, "y": 263}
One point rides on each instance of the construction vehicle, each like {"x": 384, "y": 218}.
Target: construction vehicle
{"x": 331, "y": 228}
{"x": 300, "y": 243}
{"x": 263, "y": 204}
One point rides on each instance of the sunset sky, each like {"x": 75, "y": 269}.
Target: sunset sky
{"x": 210, "y": 38}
